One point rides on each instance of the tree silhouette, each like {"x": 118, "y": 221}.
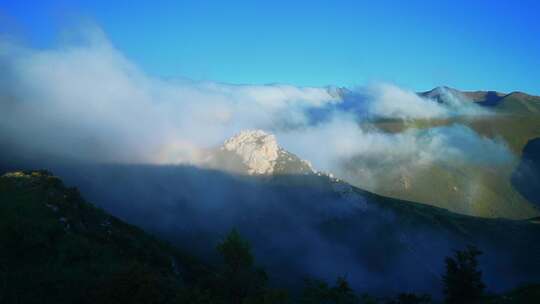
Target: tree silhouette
{"x": 235, "y": 251}
{"x": 137, "y": 284}
{"x": 240, "y": 280}
{"x": 411, "y": 298}
{"x": 462, "y": 280}
{"x": 318, "y": 292}
{"x": 343, "y": 293}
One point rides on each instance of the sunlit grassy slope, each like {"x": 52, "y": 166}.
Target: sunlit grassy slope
{"x": 475, "y": 190}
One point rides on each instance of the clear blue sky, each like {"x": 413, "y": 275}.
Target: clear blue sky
{"x": 417, "y": 44}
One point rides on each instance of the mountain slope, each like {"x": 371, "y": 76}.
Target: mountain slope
{"x": 56, "y": 248}
{"x": 59, "y": 249}
{"x": 294, "y": 222}
{"x": 485, "y": 191}
{"x": 514, "y": 113}
{"x": 526, "y": 177}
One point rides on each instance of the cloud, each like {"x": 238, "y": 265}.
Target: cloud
{"x": 86, "y": 101}
{"x": 390, "y": 101}
{"x": 366, "y": 156}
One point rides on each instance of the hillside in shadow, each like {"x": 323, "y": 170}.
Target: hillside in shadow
{"x": 526, "y": 177}
{"x": 308, "y": 225}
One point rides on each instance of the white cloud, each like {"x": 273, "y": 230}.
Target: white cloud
{"x": 342, "y": 147}
{"x": 88, "y": 102}
{"x": 390, "y": 101}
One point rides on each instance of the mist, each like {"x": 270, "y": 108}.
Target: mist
{"x": 89, "y": 97}
{"x": 135, "y": 144}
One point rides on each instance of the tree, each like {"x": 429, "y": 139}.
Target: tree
{"x": 411, "y": 298}
{"x": 136, "y": 284}
{"x": 235, "y": 251}
{"x": 318, "y": 292}
{"x": 343, "y": 293}
{"x": 462, "y": 280}
{"x": 239, "y": 279}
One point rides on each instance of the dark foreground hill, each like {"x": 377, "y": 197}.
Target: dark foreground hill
{"x": 57, "y": 248}
{"x": 311, "y": 226}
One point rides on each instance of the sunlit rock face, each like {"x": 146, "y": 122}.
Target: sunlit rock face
{"x": 256, "y": 152}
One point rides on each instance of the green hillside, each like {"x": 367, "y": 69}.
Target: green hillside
{"x": 485, "y": 191}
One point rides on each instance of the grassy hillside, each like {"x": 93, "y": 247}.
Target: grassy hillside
{"x": 483, "y": 191}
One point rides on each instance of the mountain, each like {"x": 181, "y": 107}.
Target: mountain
{"x": 481, "y": 97}
{"x": 255, "y": 152}
{"x": 526, "y": 177}
{"x": 57, "y": 248}
{"x": 300, "y": 222}
{"x": 443, "y": 94}
{"x": 486, "y": 191}
{"x": 514, "y": 102}
{"x": 296, "y": 221}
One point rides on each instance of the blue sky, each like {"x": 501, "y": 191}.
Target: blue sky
{"x": 416, "y": 44}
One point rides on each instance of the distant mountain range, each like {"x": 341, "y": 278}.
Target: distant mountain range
{"x": 514, "y": 119}
{"x": 514, "y": 101}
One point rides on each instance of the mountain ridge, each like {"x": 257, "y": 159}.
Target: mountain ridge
{"x": 485, "y": 98}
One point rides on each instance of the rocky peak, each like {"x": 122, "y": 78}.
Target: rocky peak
{"x": 257, "y": 152}
{"x": 257, "y": 149}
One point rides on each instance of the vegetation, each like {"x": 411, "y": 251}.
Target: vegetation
{"x": 317, "y": 292}
{"x": 529, "y": 293}
{"x": 238, "y": 280}
{"x": 463, "y": 281}
{"x": 515, "y": 119}
{"x": 57, "y": 248}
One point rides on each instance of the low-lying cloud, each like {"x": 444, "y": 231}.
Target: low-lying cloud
{"x": 389, "y": 101}
{"x": 362, "y": 155}
{"x": 87, "y": 101}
